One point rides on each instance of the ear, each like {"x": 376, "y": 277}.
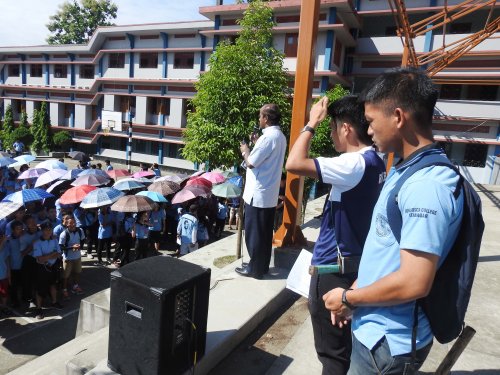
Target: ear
{"x": 399, "y": 118}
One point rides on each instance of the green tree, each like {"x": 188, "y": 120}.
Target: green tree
{"x": 24, "y": 120}
{"x": 7, "y": 128}
{"x": 62, "y": 140}
{"x": 75, "y": 22}
{"x": 242, "y": 77}
{"x": 22, "y": 134}
{"x": 40, "y": 129}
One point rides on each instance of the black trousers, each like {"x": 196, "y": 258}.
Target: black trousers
{"x": 28, "y": 272}
{"x": 104, "y": 243}
{"x": 141, "y": 248}
{"x": 333, "y": 344}
{"x": 259, "y": 224}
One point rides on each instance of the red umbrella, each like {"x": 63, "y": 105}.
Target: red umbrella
{"x": 214, "y": 177}
{"x": 76, "y": 194}
{"x": 115, "y": 173}
{"x": 199, "y": 181}
{"x": 188, "y": 193}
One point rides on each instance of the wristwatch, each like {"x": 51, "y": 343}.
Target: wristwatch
{"x": 307, "y": 128}
{"x": 345, "y": 301}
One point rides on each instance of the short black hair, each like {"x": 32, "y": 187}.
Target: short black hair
{"x": 107, "y": 161}
{"x": 408, "y": 88}
{"x": 15, "y": 224}
{"x": 349, "y": 109}
{"x": 46, "y": 225}
{"x": 272, "y": 112}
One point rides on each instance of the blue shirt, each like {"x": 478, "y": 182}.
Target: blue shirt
{"x": 13, "y": 246}
{"x": 141, "y": 231}
{"x": 75, "y": 237}
{"x": 187, "y": 229}
{"x": 221, "y": 211}
{"x": 79, "y": 215}
{"x": 58, "y": 230}
{"x": 109, "y": 167}
{"x": 45, "y": 247}
{"x": 430, "y": 193}
{"x": 4, "y": 254}
{"x": 156, "y": 218}
{"x": 28, "y": 239}
{"x": 105, "y": 225}
{"x": 129, "y": 224}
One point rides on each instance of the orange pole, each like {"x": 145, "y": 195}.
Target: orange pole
{"x": 290, "y": 233}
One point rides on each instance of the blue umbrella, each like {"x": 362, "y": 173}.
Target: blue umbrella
{"x": 98, "y": 172}
{"x": 27, "y": 195}
{"x": 5, "y": 161}
{"x": 154, "y": 196}
{"x": 52, "y": 164}
{"x": 236, "y": 180}
{"x": 101, "y": 197}
{"x": 128, "y": 185}
{"x": 72, "y": 174}
{"x": 22, "y": 159}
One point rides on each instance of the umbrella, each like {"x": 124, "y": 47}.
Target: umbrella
{"x": 99, "y": 172}
{"x": 59, "y": 184}
{"x": 76, "y": 194}
{"x": 142, "y": 180}
{"x": 31, "y": 173}
{"x": 27, "y": 195}
{"x": 226, "y": 190}
{"x": 5, "y": 161}
{"x": 164, "y": 187}
{"x": 214, "y": 177}
{"x": 7, "y": 208}
{"x": 197, "y": 181}
{"x": 22, "y": 159}
{"x": 101, "y": 197}
{"x": 50, "y": 176}
{"x": 90, "y": 180}
{"x": 143, "y": 174}
{"x": 236, "y": 180}
{"x": 154, "y": 196}
{"x": 71, "y": 174}
{"x": 188, "y": 193}
{"x": 128, "y": 185}
{"x": 229, "y": 174}
{"x": 174, "y": 178}
{"x": 133, "y": 203}
{"x": 197, "y": 173}
{"x": 115, "y": 173}
{"x": 4, "y": 154}
{"x": 52, "y": 164}
{"x": 78, "y": 155}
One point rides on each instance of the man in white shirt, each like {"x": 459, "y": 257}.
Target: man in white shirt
{"x": 264, "y": 167}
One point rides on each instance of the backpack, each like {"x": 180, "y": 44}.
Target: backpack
{"x": 80, "y": 234}
{"x": 446, "y": 304}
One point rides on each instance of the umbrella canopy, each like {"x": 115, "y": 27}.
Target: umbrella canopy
{"x": 133, "y": 203}
{"x": 115, "y": 173}
{"x": 76, "y": 194}
{"x": 90, "y": 180}
{"x": 229, "y": 174}
{"x": 236, "y": 180}
{"x": 143, "y": 174}
{"x": 7, "y": 208}
{"x": 52, "y": 164}
{"x": 199, "y": 181}
{"x": 226, "y": 190}
{"x": 174, "y": 178}
{"x": 128, "y": 185}
{"x": 27, "y": 195}
{"x": 164, "y": 187}
{"x": 4, "y": 154}
{"x": 99, "y": 172}
{"x": 49, "y": 176}
{"x": 142, "y": 180}
{"x": 5, "y": 161}
{"x": 101, "y": 197}
{"x": 22, "y": 159}
{"x": 57, "y": 185}
{"x": 31, "y": 173}
{"x": 154, "y": 196}
{"x": 188, "y": 193}
{"x": 214, "y": 177}
{"x": 78, "y": 155}
{"x": 197, "y": 173}
{"x": 71, "y": 174}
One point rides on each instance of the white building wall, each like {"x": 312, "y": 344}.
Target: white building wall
{"x": 149, "y": 73}
{"x": 115, "y": 72}
{"x": 468, "y": 108}
{"x": 83, "y": 116}
{"x": 116, "y": 44}
{"x": 382, "y": 4}
{"x": 110, "y": 103}
{"x": 10, "y": 80}
{"x": 56, "y": 114}
{"x": 176, "y": 116}
{"x": 185, "y": 42}
{"x": 183, "y": 73}
{"x": 141, "y": 110}
{"x": 148, "y": 43}
{"x": 30, "y": 107}
{"x": 35, "y": 81}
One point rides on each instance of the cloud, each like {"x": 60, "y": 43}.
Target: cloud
{"x": 23, "y": 21}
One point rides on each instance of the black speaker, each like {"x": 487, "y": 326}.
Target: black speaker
{"x": 158, "y": 316}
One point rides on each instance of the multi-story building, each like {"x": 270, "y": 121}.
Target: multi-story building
{"x": 147, "y": 72}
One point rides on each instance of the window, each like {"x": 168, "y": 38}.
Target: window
{"x": 127, "y": 104}
{"x": 174, "y": 151}
{"x": 87, "y": 71}
{"x": 116, "y": 60}
{"x": 157, "y": 106}
{"x": 68, "y": 110}
{"x": 14, "y": 70}
{"x": 451, "y": 92}
{"x": 475, "y": 155}
{"x": 149, "y": 60}
{"x": 291, "y": 44}
{"x": 36, "y": 70}
{"x": 184, "y": 60}
{"x": 485, "y": 92}
{"x": 391, "y": 31}
{"x": 60, "y": 71}
{"x": 338, "y": 53}
{"x": 460, "y": 28}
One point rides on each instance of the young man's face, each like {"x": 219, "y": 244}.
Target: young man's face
{"x": 17, "y": 231}
{"x": 71, "y": 224}
{"x": 52, "y": 213}
{"x": 31, "y": 224}
{"x": 382, "y": 128}
{"x": 335, "y": 135}
{"x": 47, "y": 233}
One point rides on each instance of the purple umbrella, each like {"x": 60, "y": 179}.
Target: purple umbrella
{"x": 90, "y": 179}
{"x": 99, "y": 172}
{"x": 72, "y": 174}
{"x": 31, "y": 173}
{"x": 50, "y": 176}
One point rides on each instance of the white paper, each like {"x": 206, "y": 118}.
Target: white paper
{"x": 299, "y": 279}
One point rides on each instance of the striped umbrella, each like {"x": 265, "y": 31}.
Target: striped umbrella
{"x": 72, "y": 174}
{"x": 22, "y": 159}
{"x": 128, "y": 185}
{"x": 93, "y": 180}
{"x": 7, "y": 208}
{"x": 164, "y": 187}
{"x": 49, "y": 176}
{"x": 101, "y": 197}
{"x": 27, "y": 195}
{"x": 31, "y": 173}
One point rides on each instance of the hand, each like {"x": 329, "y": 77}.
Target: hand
{"x": 318, "y": 112}
{"x": 333, "y": 302}
{"x": 244, "y": 148}
{"x": 339, "y": 321}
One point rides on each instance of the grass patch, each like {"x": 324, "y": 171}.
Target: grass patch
{"x": 224, "y": 261}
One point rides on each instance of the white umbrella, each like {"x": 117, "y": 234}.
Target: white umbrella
{"x": 52, "y": 164}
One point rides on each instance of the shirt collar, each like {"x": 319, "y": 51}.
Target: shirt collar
{"x": 267, "y": 128}
{"x": 433, "y": 148}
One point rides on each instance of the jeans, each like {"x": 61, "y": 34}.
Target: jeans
{"x": 379, "y": 361}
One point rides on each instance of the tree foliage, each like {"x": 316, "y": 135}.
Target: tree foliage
{"x": 7, "y": 128}
{"x": 23, "y": 134}
{"x": 40, "y": 129}
{"x": 242, "y": 77}
{"x": 23, "y": 122}
{"x": 62, "y": 139}
{"x": 75, "y": 22}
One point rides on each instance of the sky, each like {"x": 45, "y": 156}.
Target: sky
{"x": 22, "y": 22}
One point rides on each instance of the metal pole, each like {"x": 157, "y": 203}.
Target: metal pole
{"x": 129, "y": 148}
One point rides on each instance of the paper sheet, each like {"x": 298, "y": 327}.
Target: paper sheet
{"x": 299, "y": 279}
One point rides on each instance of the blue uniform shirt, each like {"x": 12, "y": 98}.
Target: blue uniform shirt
{"x": 45, "y": 247}
{"x": 4, "y": 255}
{"x": 13, "y": 246}
{"x": 105, "y": 225}
{"x": 141, "y": 231}
{"x": 156, "y": 218}
{"x": 188, "y": 228}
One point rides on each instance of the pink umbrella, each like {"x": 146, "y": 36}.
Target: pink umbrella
{"x": 197, "y": 173}
{"x": 197, "y": 181}
{"x": 143, "y": 174}
{"x": 90, "y": 179}
{"x": 174, "y": 178}
{"x": 188, "y": 193}
{"x": 214, "y": 177}
{"x": 50, "y": 176}
{"x": 32, "y": 173}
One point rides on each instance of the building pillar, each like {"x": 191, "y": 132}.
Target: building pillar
{"x": 23, "y": 71}
{"x": 101, "y": 67}
{"x": 202, "y": 53}
{"x": 131, "y": 39}
{"x": 164, "y": 67}
{"x": 72, "y": 73}
{"x": 216, "y": 27}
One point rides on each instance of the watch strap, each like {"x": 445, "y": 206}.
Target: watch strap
{"x": 345, "y": 301}
{"x": 309, "y": 129}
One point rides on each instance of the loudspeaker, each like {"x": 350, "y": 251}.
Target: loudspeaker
{"x": 158, "y": 316}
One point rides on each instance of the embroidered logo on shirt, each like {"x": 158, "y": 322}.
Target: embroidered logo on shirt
{"x": 420, "y": 212}
{"x": 382, "y": 226}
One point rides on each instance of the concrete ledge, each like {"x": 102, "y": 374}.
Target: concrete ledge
{"x": 94, "y": 313}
